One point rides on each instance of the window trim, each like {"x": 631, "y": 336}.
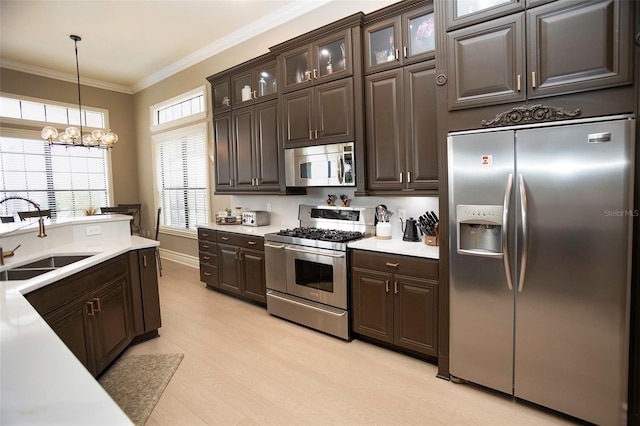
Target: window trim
{"x": 153, "y": 110}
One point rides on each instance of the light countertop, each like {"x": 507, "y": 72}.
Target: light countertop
{"x": 259, "y": 231}
{"x": 42, "y": 382}
{"x": 397, "y": 246}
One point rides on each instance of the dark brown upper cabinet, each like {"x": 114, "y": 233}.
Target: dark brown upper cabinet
{"x": 221, "y": 95}
{"x": 326, "y": 59}
{"x": 557, "y": 48}
{"x": 320, "y": 114}
{"x": 254, "y": 85}
{"x": 401, "y": 129}
{"x": 400, "y": 40}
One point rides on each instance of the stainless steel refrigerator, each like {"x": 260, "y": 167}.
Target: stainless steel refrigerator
{"x": 540, "y": 258}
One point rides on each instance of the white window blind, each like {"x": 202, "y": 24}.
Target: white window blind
{"x": 64, "y": 180}
{"x": 181, "y": 177}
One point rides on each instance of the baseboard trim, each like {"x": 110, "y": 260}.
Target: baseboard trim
{"x": 184, "y": 259}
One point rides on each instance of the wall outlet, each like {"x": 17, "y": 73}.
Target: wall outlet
{"x": 93, "y": 230}
{"x": 402, "y": 215}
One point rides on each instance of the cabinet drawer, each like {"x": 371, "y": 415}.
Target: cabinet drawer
{"x": 209, "y": 258}
{"x": 206, "y": 234}
{"x": 51, "y": 297}
{"x": 406, "y": 265}
{"x": 209, "y": 275}
{"x": 246, "y": 241}
{"x": 207, "y": 246}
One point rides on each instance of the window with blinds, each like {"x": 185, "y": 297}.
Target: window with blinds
{"x": 64, "y": 180}
{"x": 181, "y": 177}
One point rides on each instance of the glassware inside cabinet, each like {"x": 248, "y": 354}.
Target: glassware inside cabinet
{"x": 241, "y": 82}
{"x": 221, "y": 96}
{"x": 331, "y": 58}
{"x": 267, "y": 82}
{"x": 421, "y": 34}
{"x": 297, "y": 68}
{"x": 382, "y": 46}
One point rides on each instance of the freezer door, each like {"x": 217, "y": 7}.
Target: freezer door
{"x": 481, "y": 306}
{"x": 572, "y": 308}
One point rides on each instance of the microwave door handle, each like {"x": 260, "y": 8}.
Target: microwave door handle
{"x": 340, "y": 169}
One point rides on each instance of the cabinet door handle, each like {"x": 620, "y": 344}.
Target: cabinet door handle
{"x": 230, "y": 182}
{"x": 144, "y": 260}
{"x": 252, "y": 243}
{"x": 224, "y": 238}
{"x": 401, "y": 178}
{"x": 397, "y": 54}
{"x": 204, "y": 234}
{"x": 206, "y": 257}
{"x": 405, "y": 51}
{"x": 518, "y": 83}
{"x": 393, "y": 265}
{"x": 386, "y": 286}
{"x": 89, "y": 309}
{"x": 255, "y": 94}
{"x": 98, "y": 305}
{"x": 206, "y": 246}
{"x": 315, "y": 73}
{"x": 310, "y": 135}
{"x": 316, "y": 133}
{"x": 395, "y": 287}
{"x": 408, "y": 177}
{"x": 207, "y": 274}
{"x": 533, "y": 79}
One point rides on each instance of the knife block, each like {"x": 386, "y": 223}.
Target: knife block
{"x": 431, "y": 240}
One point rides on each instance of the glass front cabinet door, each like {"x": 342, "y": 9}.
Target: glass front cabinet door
{"x": 461, "y": 13}
{"x": 400, "y": 40}
{"x": 256, "y": 84}
{"x": 221, "y": 96}
{"x": 324, "y": 60}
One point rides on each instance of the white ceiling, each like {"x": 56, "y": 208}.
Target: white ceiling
{"x": 128, "y": 45}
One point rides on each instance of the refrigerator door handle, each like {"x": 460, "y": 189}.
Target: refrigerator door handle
{"x": 505, "y": 239}
{"x": 523, "y": 210}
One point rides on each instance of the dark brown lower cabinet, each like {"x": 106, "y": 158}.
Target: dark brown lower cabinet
{"x": 241, "y": 266}
{"x": 145, "y": 297}
{"x": 395, "y": 300}
{"x": 91, "y": 312}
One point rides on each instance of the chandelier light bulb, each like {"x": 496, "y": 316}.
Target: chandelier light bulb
{"x": 72, "y": 132}
{"x": 65, "y": 138}
{"x": 49, "y": 133}
{"x": 98, "y": 135}
{"x": 110, "y": 139}
{"x": 88, "y": 140}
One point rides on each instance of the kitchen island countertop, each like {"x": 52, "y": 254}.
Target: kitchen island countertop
{"x": 42, "y": 381}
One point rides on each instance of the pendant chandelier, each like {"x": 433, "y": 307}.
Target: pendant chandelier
{"x": 72, "y": 136}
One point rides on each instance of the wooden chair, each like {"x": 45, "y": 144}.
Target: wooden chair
{"x": 119, "y": 210}
{"x": 134, "y": 210}
{"x": 158, "y": 259}
{"x": 34, "y": 213}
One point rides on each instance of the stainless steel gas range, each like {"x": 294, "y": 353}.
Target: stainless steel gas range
{"x": 307, "y": 267}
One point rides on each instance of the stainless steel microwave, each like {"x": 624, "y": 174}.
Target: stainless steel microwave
{"x": 320, "y": 165}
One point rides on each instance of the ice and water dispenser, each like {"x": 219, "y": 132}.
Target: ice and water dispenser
{"x": 479, "y": 229}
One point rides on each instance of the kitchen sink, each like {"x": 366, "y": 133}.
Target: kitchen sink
{"x": 54, "y": 261}
{"x": 39, "y": 267}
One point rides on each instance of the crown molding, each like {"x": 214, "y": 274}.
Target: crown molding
{"x": 243, "y": 34}
{"x": 71, "y": 78}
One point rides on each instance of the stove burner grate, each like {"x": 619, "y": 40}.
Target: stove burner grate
{"x": 320, "y": 234}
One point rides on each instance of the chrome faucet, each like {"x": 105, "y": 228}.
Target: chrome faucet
{"x": 41, "y": 232}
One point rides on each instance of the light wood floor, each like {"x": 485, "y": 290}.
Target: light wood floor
{"x": 243, "y": 366}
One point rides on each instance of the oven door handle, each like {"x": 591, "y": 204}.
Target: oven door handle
{"x": 295, "y": 302}
{"x": 314, "y": 252}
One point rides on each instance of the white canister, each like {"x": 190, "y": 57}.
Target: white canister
{"x": 246, "y": 93}
{"x": 383, "y": 230}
